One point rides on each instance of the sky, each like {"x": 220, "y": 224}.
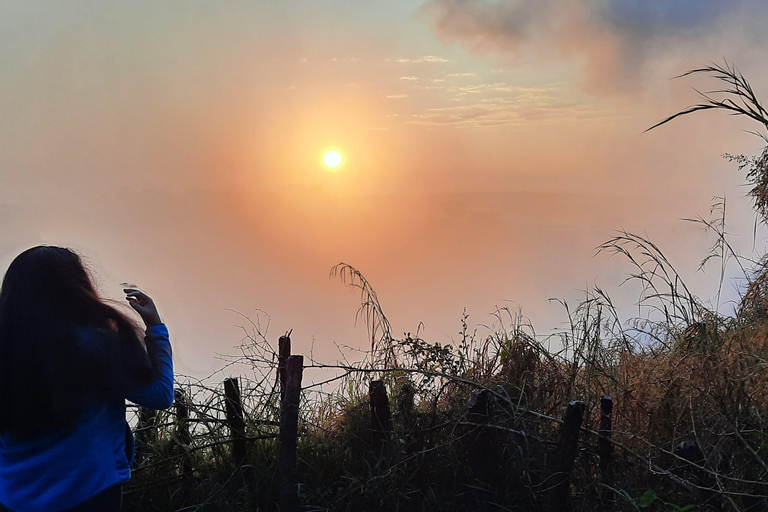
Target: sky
{"x": 489, "y": 147}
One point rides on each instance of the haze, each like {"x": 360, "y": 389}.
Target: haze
{"x": 489, "y": 148}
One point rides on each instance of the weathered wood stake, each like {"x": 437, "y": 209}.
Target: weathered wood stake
{"x": 604, "y": 446}
{"x": 182, "y": 417}
{"x": 283, "y": 353}
{"x": 234, "y": 411}
{"x": 561, "y": 464}
{"x": 478, "y": 406}
{"x": 381, "y": 419}
{"x": 482, "y": 444}
{"x": 605, "y": 449}
{"x": 145, "y": 433}
{"x": 182, "y": 428}
{"x": 289, "y": 424}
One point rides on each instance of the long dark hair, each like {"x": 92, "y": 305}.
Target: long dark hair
{"x": 47, "y": 299}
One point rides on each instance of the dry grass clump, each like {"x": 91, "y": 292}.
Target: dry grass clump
{"x": 474, "y": 423}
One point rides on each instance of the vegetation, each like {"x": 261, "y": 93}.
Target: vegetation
{"x": 475, "y": 425}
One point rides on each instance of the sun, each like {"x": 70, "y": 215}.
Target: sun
{"x": 332, "y": 159}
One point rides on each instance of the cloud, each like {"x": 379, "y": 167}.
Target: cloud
{"x": 649, "y": 16}
{"x": 502, "y": 104}
{"x": 425, "y": 58}
{"x": 503, "y": 113}
{"x": 615, "y": 41}
{"x": 488, "y": 25}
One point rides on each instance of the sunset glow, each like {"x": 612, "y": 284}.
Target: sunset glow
{"x": 459, "y": 153}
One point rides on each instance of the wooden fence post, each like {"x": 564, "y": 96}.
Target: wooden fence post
{"x": 381, "y": 418}
{"x": 234, "y": 412}
{"x": 561, "y": 464}
{"x": 182, "y": 417}
{"x": 478, "y": 406}
{"x": 144, "y": 433}
{"x": 289, "y": 422}
{"x": 182, "y": 427}
{"x": 283, "y": 353}
{"x": 482, "y": 445}
{"x": 605, "y": 448}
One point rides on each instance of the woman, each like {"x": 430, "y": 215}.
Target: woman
{"x": 68, "y": 361}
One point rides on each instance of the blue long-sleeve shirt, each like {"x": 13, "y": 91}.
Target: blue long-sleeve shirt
{"x": 63, "y": 469}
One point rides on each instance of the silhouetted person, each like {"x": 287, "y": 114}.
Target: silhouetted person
{"x": 68, "y": 362}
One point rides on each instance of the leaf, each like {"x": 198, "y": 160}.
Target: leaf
{"x": 647, "y": 499}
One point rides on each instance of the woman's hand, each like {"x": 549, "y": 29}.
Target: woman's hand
{"x": 144, "y": 305}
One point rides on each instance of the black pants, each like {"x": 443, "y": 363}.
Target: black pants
{"x": 108, "y": 500}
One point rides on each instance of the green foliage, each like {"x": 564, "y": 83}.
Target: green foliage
{"x": 650, "y": 501}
